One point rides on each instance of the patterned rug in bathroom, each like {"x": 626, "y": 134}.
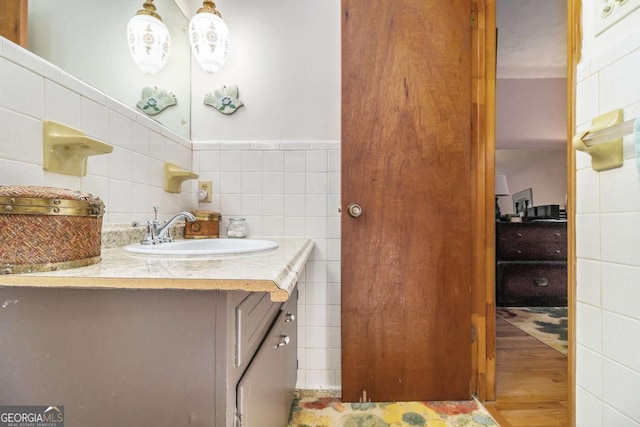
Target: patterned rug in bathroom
{"x": 331, "y": 412}
{"x": 546, "y": 324}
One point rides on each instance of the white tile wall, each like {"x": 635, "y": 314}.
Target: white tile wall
{"x": 588, "y": 201}
{"x": 620, "y": 237}
{"x": 129, "y": 180}
{"x": 589, "y": 371}
{"x": 588, "y": 235}
{"x": 291, "y": 189}
{"x": 608, "y": 237}
{"x": 620, "y": 289}
{"x": 616, "y": 418}
{"x": 614, "y": 192}
{"x": 589, "y": 334}
{"x": 589, "y": 278}
{"x": 620, "y": 389}
{"x": 588, "y": 409}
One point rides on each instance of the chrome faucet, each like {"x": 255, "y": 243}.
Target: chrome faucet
{"x": 157, "y": 233}
{"x": 164, "y": 232}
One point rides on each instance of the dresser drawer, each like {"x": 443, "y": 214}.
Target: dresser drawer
{"x": 532, "y": 284}
{"x": 536, "y": 241}
{"x": 542, "y": 251}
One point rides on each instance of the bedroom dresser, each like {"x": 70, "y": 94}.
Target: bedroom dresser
{"x": 531, "y": 264}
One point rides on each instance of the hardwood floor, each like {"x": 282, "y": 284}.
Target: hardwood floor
{"x": 531, "y": 381}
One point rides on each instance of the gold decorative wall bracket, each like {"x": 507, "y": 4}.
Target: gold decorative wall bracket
{"x": 607, "y": 154}
{"x": 174, "y": 176}
{"x": 65, "y": 149}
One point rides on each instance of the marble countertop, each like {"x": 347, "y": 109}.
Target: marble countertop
{"x": 274, "y": 271}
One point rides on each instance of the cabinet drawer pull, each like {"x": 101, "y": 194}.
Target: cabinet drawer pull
{"x": 289, "y": 317}
{"x": 282, "y": 341}
{"x": 519, "y": 234}
{"x": 557, "y": 251}
{"x": 540, "y": 281}
{"x": 519, "y": 252}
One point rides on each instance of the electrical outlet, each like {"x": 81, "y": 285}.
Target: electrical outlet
{"x": 609, "y": 12}
{"x": 207, "y": 187}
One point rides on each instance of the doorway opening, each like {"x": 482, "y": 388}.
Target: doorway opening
{"x": 532, "y": 287}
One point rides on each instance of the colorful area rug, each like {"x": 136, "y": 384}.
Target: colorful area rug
{"x": 330, "y": 412}
{"x": 546, "y": 324}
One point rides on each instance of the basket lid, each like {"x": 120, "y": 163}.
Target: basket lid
{"x": 203, "y": 215}
{"x": 36, "y": 200}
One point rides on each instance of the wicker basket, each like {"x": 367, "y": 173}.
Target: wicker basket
{"x": 48, "y": 229}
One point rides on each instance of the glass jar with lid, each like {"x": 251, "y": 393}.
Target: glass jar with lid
{"x": 237, "y": 228}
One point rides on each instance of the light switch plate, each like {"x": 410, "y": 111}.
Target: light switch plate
{"x": 609, "y": 12}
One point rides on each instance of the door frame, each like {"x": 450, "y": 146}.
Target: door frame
{"x": 483, "y": 78}
{"x": 483, "y": 127}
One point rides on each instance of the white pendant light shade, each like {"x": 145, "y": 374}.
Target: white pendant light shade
{"x": 149, "y": 39}
{"x": 209, "y": 37}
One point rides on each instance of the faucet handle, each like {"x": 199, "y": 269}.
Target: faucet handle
{"x": 148, "y": 224}
{"x": 152, "y": 231}
{"x": 167, "y": 236}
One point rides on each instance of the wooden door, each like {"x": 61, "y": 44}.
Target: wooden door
{"x": 13, "y": 21}
{"x": 406, "y": 269}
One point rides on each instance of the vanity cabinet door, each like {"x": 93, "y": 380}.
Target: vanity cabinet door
{"x": 254, "y": 317}
{"x": 265, "y": 392}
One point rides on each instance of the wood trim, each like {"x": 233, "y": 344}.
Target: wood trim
{"x": 13, "y": 21}
{"x": 483, "y": 77}
{"x": 574, "y": 50}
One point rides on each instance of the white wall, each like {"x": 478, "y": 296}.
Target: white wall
{"x": 607, "y": 234}
{"x": 544, "y": 171}
{"x": 531, "y": 113}
{"x": 129, "y": 180}
{"x": 285, "y": 59}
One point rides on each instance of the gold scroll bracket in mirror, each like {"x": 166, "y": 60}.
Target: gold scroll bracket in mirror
{"x": 605, "y": 155}
{"x": 65, "y": 149}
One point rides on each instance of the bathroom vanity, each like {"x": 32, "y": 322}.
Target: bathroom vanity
{"x": 134, "y": 341}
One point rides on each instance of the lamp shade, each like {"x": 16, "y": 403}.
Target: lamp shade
{"x": 209, "y": 37}
{"x": 502, "y": 189}
{"x": 149, "y": 39}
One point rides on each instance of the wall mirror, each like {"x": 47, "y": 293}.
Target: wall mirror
{"x": 88, "y": 39}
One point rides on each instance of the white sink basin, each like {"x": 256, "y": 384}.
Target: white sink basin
{"x": 203, "y": 247}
